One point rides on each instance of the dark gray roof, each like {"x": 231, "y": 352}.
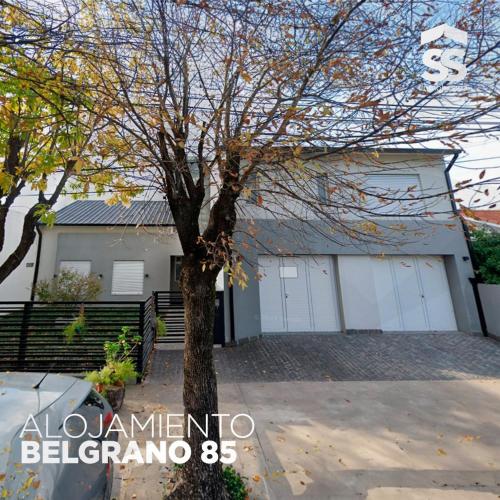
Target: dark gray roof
{"x": 97, "y": 213}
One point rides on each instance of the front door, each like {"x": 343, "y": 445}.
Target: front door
{"x": 175, "y": 272}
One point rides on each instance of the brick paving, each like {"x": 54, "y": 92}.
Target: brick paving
{"x": 309, "y": 357}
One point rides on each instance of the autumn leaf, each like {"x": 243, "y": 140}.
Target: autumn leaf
{"x": 256, "y": 478}
{"x": 482, "y": 174}
{"x": 441, "y": 452}
{"x": 469, "y": 438}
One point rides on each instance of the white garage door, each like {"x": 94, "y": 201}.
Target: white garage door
{"x": 297, "y": 294}
{"x": 413, "y": 293}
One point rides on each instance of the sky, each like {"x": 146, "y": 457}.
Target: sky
{"x": 480, "y": 154}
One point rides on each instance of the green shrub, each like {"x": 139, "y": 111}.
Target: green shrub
{"x": 234, "y": 484}
{"x": 113, "y": 373}
{"x": 77, "y": 327}
{"x": 121, "y": 348}
{"x": 161, "y": 327}
{"x": 69, "y": 286}
{"x": 119, "y": 367}
{"x": 486, "y": 246}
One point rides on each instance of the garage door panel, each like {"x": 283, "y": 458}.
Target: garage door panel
{"x": 387, "y": 299}
{"x": 297, "y": 294}
{"x": 296, "y": 284}
{"x": 409, "y": 294}
{"x": 323, "y": 295}
{"x": 437, "y": 293}
{"x": 271, "y": 300}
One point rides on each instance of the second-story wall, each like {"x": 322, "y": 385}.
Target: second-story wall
{"x": 349, "y": 187}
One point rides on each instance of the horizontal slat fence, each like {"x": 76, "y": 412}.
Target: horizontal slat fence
{"x": 32, "y": 338}
{"x": 170, "y": 308}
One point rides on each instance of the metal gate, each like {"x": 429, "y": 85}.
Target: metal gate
{"x": 170, "y": 308}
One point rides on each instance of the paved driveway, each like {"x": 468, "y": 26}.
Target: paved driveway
{"x": 405, "y": 356}
{"x": 361, "y": 417}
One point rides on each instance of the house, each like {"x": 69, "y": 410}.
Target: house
{"x": 301, "y": 278}
{"x": 133, "y": 250}
{"x": 485, "y": 219}
{"x": 18, "y": 285}
{"x": 310, "y": 282}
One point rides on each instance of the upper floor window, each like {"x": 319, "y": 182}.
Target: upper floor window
{"x": 394, "y": 194}
{"x": 323, "y": 188}
{"x": 128, "y": 277}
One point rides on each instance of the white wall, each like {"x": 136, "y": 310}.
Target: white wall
{"x": 490, "y": 300}
{"x": 18, "y": 285}
{"x": 430, "y": 170}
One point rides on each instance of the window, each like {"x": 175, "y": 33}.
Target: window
{"x": 79, "y": 266}
{"x": 253, "y": 183}
{"x": 128, "y": 277}
{"x": 323, "y": 194}
{"x": 393, "y": 194}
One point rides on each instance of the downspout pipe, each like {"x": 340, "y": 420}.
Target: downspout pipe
{"x": 37, "y": 262}
{"x": 231, "y": 316}
{"x": 472, "y": 256}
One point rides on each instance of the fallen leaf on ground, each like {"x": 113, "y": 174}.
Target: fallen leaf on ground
{"x": 468, "y": 438}
{"x": 256, "y": 478}
{"x": 441, "y": 452}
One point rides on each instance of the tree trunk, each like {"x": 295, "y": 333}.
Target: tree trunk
{"x": 198, "y": 480}
{"x": 28, "y": 235}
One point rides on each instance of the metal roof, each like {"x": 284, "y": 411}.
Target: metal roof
{"x": 98, "y": 213}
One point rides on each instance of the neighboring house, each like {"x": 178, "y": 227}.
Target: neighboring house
{"x": 487, "y": 219}
{"x": 17, "y": 286}
{"x": 310, "y": 282}
{"x": 134, "y": 250}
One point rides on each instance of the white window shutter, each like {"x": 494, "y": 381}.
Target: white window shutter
{"x": 80, "y": 266}
{"x": 128, "y": 277}
{"x": 400, "y": 188}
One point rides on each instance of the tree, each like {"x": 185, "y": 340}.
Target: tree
{"x": 486, "y": 247}
{"x": 47, "y": 125}
{"x": 210, "y": 98}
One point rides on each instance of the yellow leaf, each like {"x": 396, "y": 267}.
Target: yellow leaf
{"x": 441, "y": 452}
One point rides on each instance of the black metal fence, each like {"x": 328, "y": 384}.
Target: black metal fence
{"x": 33, "y": 338}
{"x": 32, "y": 334}
{"x": 170, "y": 307}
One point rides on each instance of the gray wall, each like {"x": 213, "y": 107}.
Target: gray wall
{"x": 295, "y": 238}
{"x": 102, "y": 246}
{"x": 490, "y": 300}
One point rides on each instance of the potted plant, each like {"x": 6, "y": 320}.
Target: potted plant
{"x": 110, "y": 380}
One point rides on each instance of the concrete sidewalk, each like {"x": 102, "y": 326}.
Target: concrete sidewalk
{"x": 379, "y": 440}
